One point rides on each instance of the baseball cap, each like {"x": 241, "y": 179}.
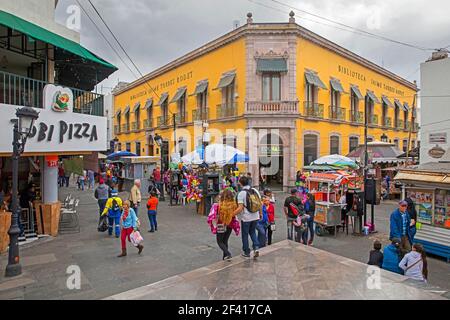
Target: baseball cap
{"x": 403, "y": 203}
{"x": 396, "y": 241}
{"x": 293, "y": 191}
{"x": 114, "y": 192}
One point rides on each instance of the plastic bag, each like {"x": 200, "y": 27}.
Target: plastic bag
{"x": 136, "y": 238}
{"x": 103, "y": 223}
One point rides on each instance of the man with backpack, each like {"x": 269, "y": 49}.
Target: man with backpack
{"x": 113, "y": 209}
{"x": 292, "y": 208}
{"x": 102, "y": 194}
{"x": 250, "y": 205}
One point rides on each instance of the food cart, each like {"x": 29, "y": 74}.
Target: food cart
{"x": 325, "y": 187}
{"x": 139, "y": 168}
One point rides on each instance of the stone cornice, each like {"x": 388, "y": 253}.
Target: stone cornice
{"x": 261, "y": 29}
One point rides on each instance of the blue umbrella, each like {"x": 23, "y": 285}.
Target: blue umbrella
{"x": 120, "y": 154}
{"x": 238, "y": 158}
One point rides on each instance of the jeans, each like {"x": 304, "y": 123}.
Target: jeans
{"x": 311, "y": 229}
{"x": 269, "y": 236}
{"x": 111, "y": 222}
{"x": 262, "y": 238}
{"x": 290, "y": 229}
{"x": 299, "y": 235}
{"x": 101, "y": 205}
{"x": 222, "y": 241}
{"x": 82, "y": 185}
{"x": 135, "y": 208}
{"x": 249, "y": 228}
{"x": 152, "y": 219}
{"x": 67, "y": 178}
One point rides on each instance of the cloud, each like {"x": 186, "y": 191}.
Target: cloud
{"x": 155, "y": 32}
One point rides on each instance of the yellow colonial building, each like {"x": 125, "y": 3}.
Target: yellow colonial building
{"x": 278, "y": 91}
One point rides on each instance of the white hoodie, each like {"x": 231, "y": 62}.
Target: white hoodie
{"x": 410, "y": 259}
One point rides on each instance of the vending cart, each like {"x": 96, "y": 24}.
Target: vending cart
{"x": 139, "y": 168}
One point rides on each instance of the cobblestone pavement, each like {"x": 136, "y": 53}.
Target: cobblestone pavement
{"x": 182, "y": 243}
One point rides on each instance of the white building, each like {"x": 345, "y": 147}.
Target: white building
{"x": 435, "y": 109}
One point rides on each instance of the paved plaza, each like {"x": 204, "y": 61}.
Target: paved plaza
{"x": 183, "y": 243}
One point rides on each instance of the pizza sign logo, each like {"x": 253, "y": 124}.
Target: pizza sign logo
{"x": 60, "y": 102}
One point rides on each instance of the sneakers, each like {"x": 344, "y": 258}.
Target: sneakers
{"x": 228, "y": 258}
{"x": 256, "y": 254}
{"x": 245, "y": 255}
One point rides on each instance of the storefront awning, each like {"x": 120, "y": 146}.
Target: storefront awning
{"x": 163, "y": 98}
{"x": 179, "y": 94}
{"x": 387, "y": 101}
{"x": 136, "y": 106}
{"x": 148, "y": 104}
{"x": 398, "y": 104}
{"x": 425, "y": 177}
{"x": 313, "y": 79}
{"x": 127, "y": 110}
{"x": 356, "y": 91}
{"x": 226, "y": 80}
{"x": 336, "y": 85}
{"x": 373, "y": 97}
{"x": 201, "y": 87}
{"x": 271, "y": 65}
{"x": 405, "y": 107}
{"x": 67, "y": 54}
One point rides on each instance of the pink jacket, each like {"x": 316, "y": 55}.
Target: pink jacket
{"x": 213, "y": 216}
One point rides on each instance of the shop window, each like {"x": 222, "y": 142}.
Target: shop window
{"x": 442, "y": 209}
{"x": 369, "y": 139}
{"x": 334, "y": 145}
{"x": 405, "y": 145}
{"x": 310, "y": 147}
{"x": 128, "y": 146}
{"x": 271, "y": 87}
{"x": 353, "y": 143}
{"x": 138, "y": 148}
{"x": 396, "y": 142}
{"x": 119, "y": 147}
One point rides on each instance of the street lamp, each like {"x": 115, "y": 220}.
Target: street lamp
{"x": 23, "y": 127}
{"x": 158, "y": 140}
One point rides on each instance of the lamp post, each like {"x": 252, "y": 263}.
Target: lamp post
{"x": 23, "y": 126}
{"x": 158, "y": 139}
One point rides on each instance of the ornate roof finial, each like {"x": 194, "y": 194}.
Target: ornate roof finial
{"x": 249, "y": 17}
{"x": 291, "y": 17}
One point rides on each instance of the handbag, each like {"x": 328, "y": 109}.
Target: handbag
{"x": 273, "y": 226}
{"x": 103, "y": 224}
{"x": 136, "y": 238}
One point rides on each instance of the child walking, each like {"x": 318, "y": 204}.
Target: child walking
{"x": 152, "y": 207}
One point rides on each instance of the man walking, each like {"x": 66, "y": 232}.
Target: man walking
{"x": 290, "y": 203}
{"x": 400, "y": 227}
{"x": 157, "y": 179}
{"x": 135, "y": 196}
{"x": 113, "y": 209}
{"x": 102, "y": 194}
{"x": 249, "y": 204}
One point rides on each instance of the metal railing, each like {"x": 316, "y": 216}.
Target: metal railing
{"x": 125, "y": 128}
{"x": 198, "y": 115}
{"x": 271, "y": 107}
{"x": 180, "y": 118}
{"x": 148, "y": 123}
{"x": 356, "y": 117}
{"x": 135, "y": 125}
{"x": 416, "y": 127}
{"x": 336, "y": 113}
{"x": 373, "y": 119}
{"x": 399, "y": 124}
{"x": 117, "y": 129}
{"x": 387, "y": 122}
{"x": 22, "y": 91}
{"x": 314, "y": 110}
{"x": 162, "y": 121}
{"x": 407, "y": 125}
{"x": 226, "y": 110}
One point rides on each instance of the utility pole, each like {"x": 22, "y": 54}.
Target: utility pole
{"x": 366, "y": 154}
{"x": 174, "y": 132}
{"x": 413, "y": 120}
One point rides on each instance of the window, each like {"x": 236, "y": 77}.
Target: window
{"x": 228, "y": 95}
{"x": 150, "y": 117}
{"x": 165, "y": 111}
{"x": 370, "y": 110}
{"x": 182, "y": 108}
{"x": 354, "y": 101}
{"x": 138, "y": 148}
{"x": 405, "y": 145}
{"x": 271, "y": 87}
{"x": 405, "y": 115}
{"x": 311, "y": 93}
{"x": 137, "y": 116}
{"x": 396, "y": 142}
{"x": 413, "y": 144}
{"x": 369, "y": 139}
{"x": 151, "y": 146}
{"x": 335, "y": 98}
{"x": 230, "y": 141}
{"x": 334, "y": 145}
{"x": 128, "y": 146}
{"x": 119, "y": 120}
{"x": 119, "y": 147}
{"x": 310, "y": 147}
{"x": 384, "y": 113}
{"x": 396, "y": 115}
{"x": 127, "y": 120}
{"x": 353, "y": 143}
{"x": 202, "y": 104}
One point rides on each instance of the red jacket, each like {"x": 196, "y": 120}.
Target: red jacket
{"x": 271, "y": 213}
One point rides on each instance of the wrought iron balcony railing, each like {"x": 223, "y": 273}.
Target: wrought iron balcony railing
{"x": 336, "y": 113}
{"x": 387, "y": 122}
{"x": 117, "y": 129}
{"x": 356, "y": 117}
{"x": 125, "y": 128}
{"x": 314, "y": 110}
{"x": 148, "y": 124}
{"x": 373, "y": 120}
{"x": 226, "y": 110}
{"x": 135, "y": 126}
{"x": 200, "y": 115}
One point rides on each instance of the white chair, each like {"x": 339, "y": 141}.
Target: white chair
{"x": 69, "y": 221}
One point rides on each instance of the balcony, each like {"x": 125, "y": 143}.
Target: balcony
{"x": 117, "y": 129}
{"x": 224, "y": 111}
{"x": 313, "y": 110}
{"x": 197, "y": 115}
{"x": 399, "y": 124}
{"x": 162, "y": 121}
{"x": 416, "y": 127}
{"x": 387, "y": 122}
{"x": 148, "y": 124}
{"x": 407, "y": 125}
{"x": 135, "y": 126}
{"x": 336, "y": 113}
{"x": 272, "y": 108}
{"x": 373, "y": 120}
{"x": 125, "y": 128}
{"x": 180, "y": 118}
{"x": 356, "y": 117}
{"x": 23, "y": 91}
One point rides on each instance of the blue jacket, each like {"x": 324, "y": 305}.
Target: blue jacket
{"x": 391, "y": 259}
{"x": 396, "y": 226}
{"x": 130, "y": 221}
{"x": 265, "y": 219}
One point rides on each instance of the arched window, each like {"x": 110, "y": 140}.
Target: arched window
{"x": 310, "y": 147}
{"x": 334, "y": 145}
{"x": 353, "y": 143}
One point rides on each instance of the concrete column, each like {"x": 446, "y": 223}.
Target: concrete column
{"x": 50, "y": 183}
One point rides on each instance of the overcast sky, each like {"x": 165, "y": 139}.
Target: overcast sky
{"x": 155, "y": 32}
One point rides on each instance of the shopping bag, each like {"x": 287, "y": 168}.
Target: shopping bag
{"x": 103, "y": 223}
{"x": 136, "y": 238}
{"x": 273, "y": 226}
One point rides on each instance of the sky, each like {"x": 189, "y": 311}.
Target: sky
{"x": 155, "y": 32}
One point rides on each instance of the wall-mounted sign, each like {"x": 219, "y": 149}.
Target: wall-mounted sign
{"x": 436, "y": 152}
{"x": 439, "y": 137}
{"x": 52, "y": 161}
{"x": 270, "y": 150}
{"x": 58, "y": 128}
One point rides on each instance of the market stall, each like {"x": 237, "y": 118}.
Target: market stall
{"x": 139, "y": 168}
{"x": 428, "y": 186}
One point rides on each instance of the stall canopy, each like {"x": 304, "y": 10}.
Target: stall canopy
{"x": 332, "y": 178}
{"x": 219, "y": 154}
{"x": 379, "y": 152}
{"x": 120, "y": 154}
{"x": 78, "y": 67}
{"x": 336, "y": 161}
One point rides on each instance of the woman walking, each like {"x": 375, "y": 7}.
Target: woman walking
{"x": 129, "y": 225}
{"x": 310, "y": 208}
{"x": 415, "y": 263}
{"x": 222, "y": 221}
{"x": 152, "y": 207}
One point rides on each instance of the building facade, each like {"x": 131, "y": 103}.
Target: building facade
{"x": 276, "y": 90}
